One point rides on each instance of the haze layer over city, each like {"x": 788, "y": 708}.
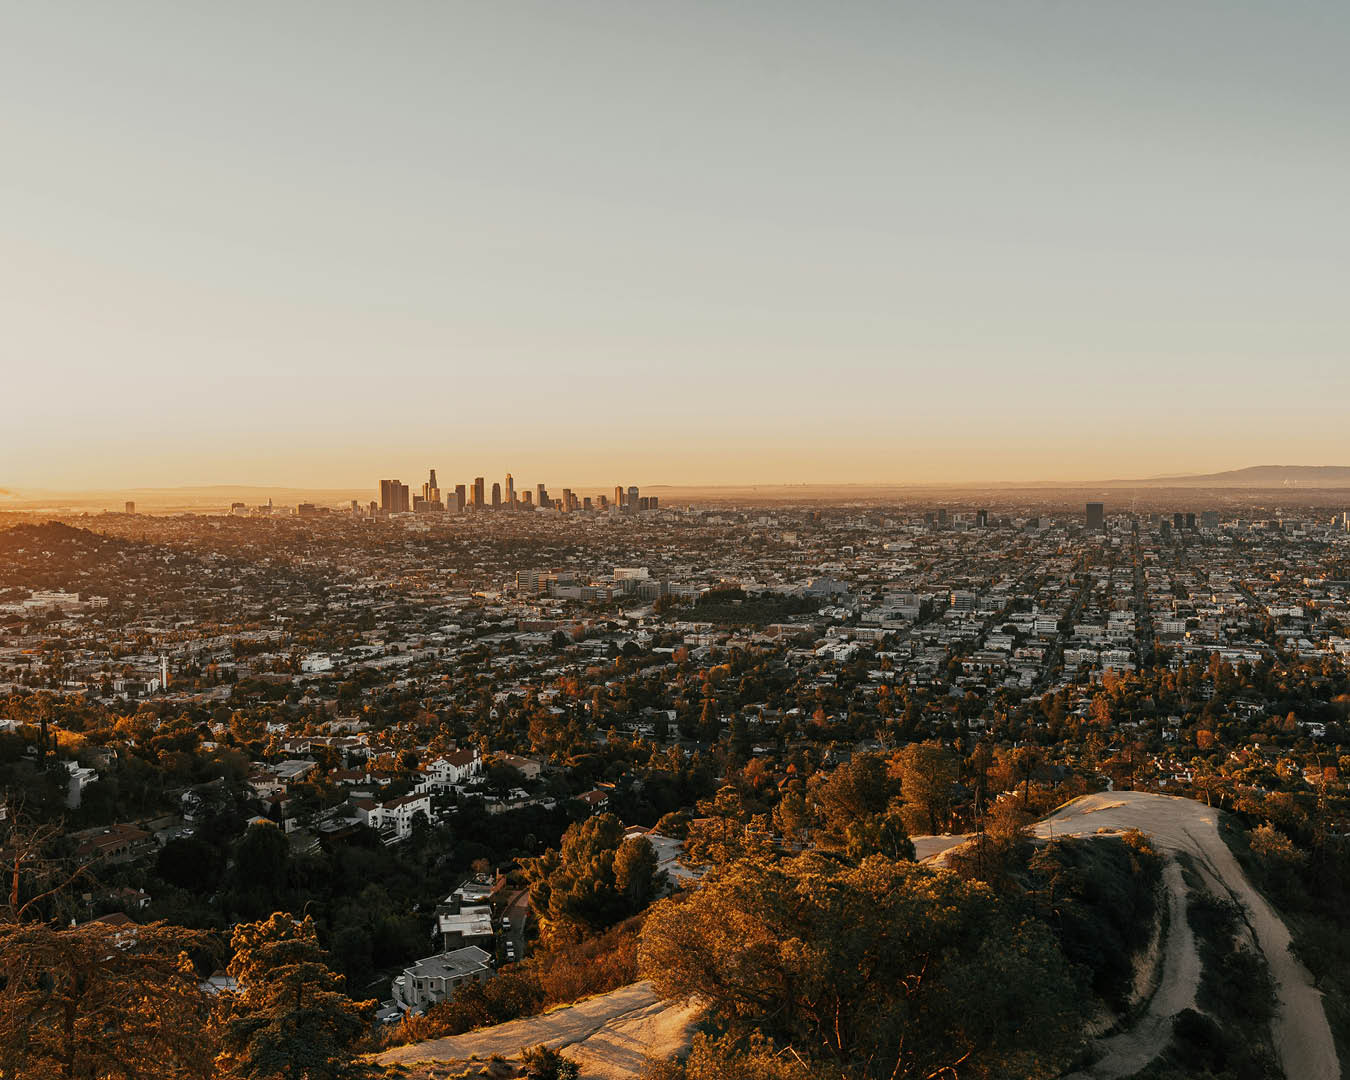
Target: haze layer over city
{"x": 634, "y": 541}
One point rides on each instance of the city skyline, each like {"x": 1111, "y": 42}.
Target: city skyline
{"x": 772, "y": 244}
{"x": 396, "y": 497}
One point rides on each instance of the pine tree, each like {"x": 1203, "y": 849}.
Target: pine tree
{"x": 289, "y": 1018}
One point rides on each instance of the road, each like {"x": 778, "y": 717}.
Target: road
{"x": 518, "y": 911}
{"x": 1300, "y": 1030}
{"x": 610, "y": 1035}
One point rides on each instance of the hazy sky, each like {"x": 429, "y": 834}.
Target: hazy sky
{"x": 319, "y": 243}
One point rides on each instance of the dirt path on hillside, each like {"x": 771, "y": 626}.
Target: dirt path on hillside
{"x": 929, "y": 847}
{"x": 609, "y": 1036}
{"x": 1300, "y": 1030}
{"x": 1128, "y": 1052}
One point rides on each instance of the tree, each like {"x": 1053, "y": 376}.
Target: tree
{"x": 289, "y": 1017}
{"x": 854, "y": 790}
{"x": 881, "y": 834}
{"x": 189, "y": 862}
{"x": 635, "y": 872}
{"x": 927, "y": 774}
{"x": 727, "y": 831}
{"x": 886, "y": 969}
{"x": 585, "y": 885}
{"x": 36, "y": 883}
{"x": 709, "y": 728}
{"x": 792, "y": 817}
{"x": 99, "y": 1000}
{"x": 260, "y": 865}
{"x": 675, "y": 825}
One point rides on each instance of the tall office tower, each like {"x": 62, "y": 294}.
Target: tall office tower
{"x": 586, "y": 504}
{"x": 1210, "y": 519}
{"x": 478, "y": 497}
{"x": 1096, "y": 517}
{"x": 618, "y": 496}
{"x": 459, "y": 498}
{"x": 1190, "y": 521}
{"x": 632, "y": 498}
{"x": 393, "y": 497}
{"x": 541, "y": 496}
{"x": 942, "y": 516}
{"x": 644, "y": 503}
{"x": 131, "y": 507}
{"x": 604, "y": 502}
{"x": 982, "y": 519}
{"x": 510, "y": 490}
{"x": 374, "y": 509}
{"x": 1178, "y": 521}
{"x": 567, "y": 499}
{"x": 431, "y": 482}
{"x": 496, "y": 496}
{"x": 527, "y": 499}
{"x": 656, "y": 502}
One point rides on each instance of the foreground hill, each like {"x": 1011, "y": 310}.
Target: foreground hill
{"x": 611, "y": 1035}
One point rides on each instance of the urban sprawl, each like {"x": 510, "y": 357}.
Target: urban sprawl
{"x": 412, "y": 701}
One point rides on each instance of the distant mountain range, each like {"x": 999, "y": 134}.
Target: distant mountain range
{"x": 1258, "y": 476}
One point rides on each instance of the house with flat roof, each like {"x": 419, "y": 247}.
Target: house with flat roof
{"x": 436, "y": 978}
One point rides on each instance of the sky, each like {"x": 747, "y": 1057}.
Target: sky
{"x": 651, "y": 242}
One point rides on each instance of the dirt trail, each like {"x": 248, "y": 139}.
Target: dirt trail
{"x": 929, "y": 847}
{"x": 609, "y": 1035}
{"x": 1301, "y": 1034}
{"x": 1128, "y": 1052}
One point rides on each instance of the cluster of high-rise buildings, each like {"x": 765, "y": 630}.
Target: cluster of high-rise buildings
{"x": 397, "y": 498}
{"x": 1095, "y": 519}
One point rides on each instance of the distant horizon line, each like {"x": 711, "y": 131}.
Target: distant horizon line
{"x": 15, "y": 494}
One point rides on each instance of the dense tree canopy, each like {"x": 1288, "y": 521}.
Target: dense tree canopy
{"x": 593, "y": 881}
{"x": 98, "y": 1001}
{"x": 886, "y": 969}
